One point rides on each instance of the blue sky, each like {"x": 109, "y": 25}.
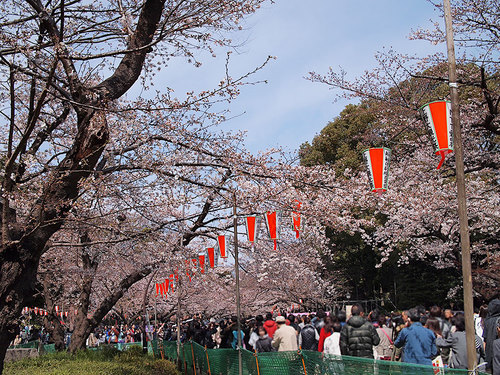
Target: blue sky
{"x": 304, "y": 36}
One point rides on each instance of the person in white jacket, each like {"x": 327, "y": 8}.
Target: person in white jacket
{"x": 332, "y": 342}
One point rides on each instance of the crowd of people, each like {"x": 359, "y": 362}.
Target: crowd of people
{"x": 416, "y": 335}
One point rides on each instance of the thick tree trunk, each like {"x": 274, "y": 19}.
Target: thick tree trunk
{"x": 83, "y": 325}
{"x": 17, "y": 283}
{"x": 81, "y": 333}
{"x": 51, "y": 321}
{"x": 56, "y": 331}
{"x": 19, "y": 258}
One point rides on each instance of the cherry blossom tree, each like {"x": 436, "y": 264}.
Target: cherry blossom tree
{"x": 394, "y": 91}
{"x": 68, "y": 63}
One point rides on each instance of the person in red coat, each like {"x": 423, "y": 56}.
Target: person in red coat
{"x": 270, "y": 325}
{"x": 325, "y": 332}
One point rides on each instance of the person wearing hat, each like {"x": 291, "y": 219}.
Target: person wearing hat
{"x": 285, "y": 337}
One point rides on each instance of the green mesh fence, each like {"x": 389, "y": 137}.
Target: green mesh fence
{"x": 49, "y": 348}
{"x": 197, "y": 360}
{"x": 27, "y": 345}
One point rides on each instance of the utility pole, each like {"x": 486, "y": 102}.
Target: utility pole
{"x": 178, "y": 287}
{"x": 237, "y": 275}
{"x": 461, "y": 197}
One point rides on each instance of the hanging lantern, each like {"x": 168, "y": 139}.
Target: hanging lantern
{"x": 45, "y": 312}
{"x": 171, "y": 283}
{"x": 36, "y": 310}
{"x": 188, "y": 269}
{"x": 272, "y": 226}
{"x": 297, "y": 219}
{"x": 222, "y": 242}
{"x": 166, "y": 286}
{"x": 66, "y": 314}
{"x": 201, "y": 261}
{"x": 57, "y": 309}
{"x": 251, "y": 224}
{"x": 437, "y": 117}
{"x": 195, "y": 264}
{"x": 377, "y": 162}
{"x": 211, "y": 256}
{"x": 157, "y": 289}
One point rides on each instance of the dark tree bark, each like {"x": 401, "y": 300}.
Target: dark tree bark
{"x": 84, "y": 325}
{"x": 51, "y": 321}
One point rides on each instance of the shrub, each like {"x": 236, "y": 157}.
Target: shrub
{"x": 164, "y": 367}
{"x": 106, "y": 360}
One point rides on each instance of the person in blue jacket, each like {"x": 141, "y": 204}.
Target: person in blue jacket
{"x": 418, "y": 342}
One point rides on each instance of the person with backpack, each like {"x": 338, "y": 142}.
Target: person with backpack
{"x": 490, "y": 330}
{"x": 384, "y": 349}
{"x": 358, "y": 337}
{"x": 457, "y": 342}
{"x": 308, "y": 337}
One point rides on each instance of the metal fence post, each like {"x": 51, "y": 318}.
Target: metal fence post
{"x": 303, "y": 362}
{"x": 194, "y": 364}
{"x": 208, "y": 361}
{"x": 257, "y": 361}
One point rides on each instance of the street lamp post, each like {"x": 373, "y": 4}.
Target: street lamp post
{"x": 237, "y": 275}
{"x": 461, "y": 197}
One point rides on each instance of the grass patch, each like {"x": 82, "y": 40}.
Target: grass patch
{"x": 105, "y": 361}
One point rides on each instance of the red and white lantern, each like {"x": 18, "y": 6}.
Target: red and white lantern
{"x": 251, "y": 224}
{"x": 66, "y": 314}
{"x": 201, "y": 261}
{"x": 171, "y": 283}
{"x": 195, "y": 262}
{"x": 222, "y": 243}
{"x": 45, "y": 312}
{"x": 297, "y": 219}
{"x": 57, "y": 309}
{"x": 188, "y": 269}
{"x": 272, "y": 224}
{"x": 437, "y": 117}
{"x": 164, "y": 288}
{"x": 35, "y": 310}
{"x": 211, "y": 256}
{"x": 377, "y": 162}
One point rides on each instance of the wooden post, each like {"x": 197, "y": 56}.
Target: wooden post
{"x": 237, "y": 275}
{"x": 461, "y": 196}
{"x": 178, "y": 287}
{"x": 162, "y": 350}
